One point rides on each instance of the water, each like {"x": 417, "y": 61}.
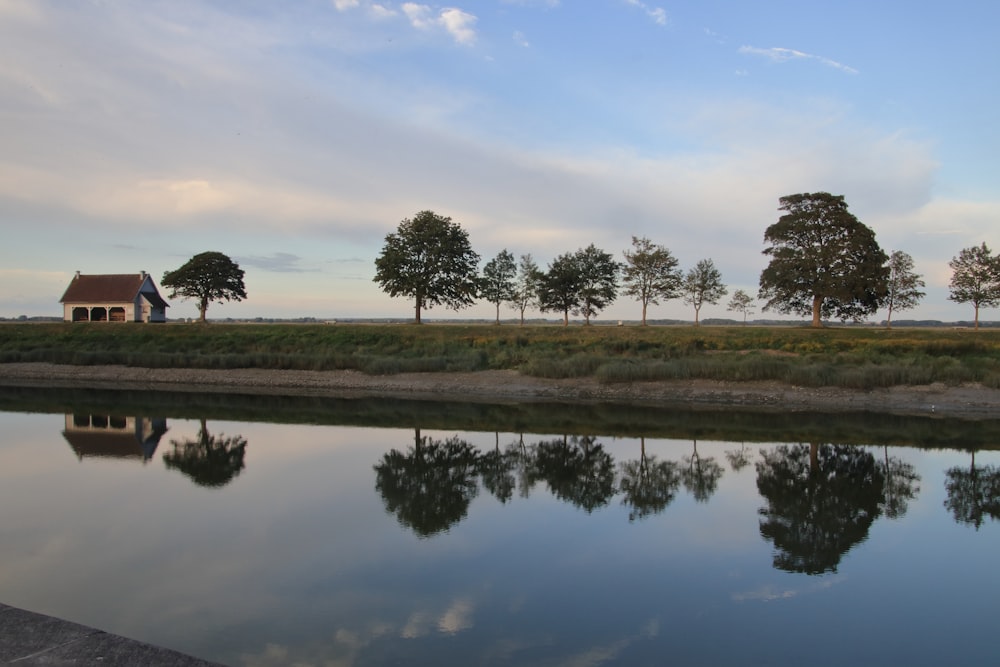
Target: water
{"x": 381, "y": 536}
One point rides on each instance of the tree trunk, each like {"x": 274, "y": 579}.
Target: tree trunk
{"x": 696, "y": 309}
{"x": 888, "y": 318}
{"x": 203, "y": 308}
{"x": 977, "y": 316}
{"x": 498, "y": 312}
{"x": 644, "y": 314}
{"x": 566, "y": 317}
{"x": 817, "y": 304}
{"x": 416, "y": 311}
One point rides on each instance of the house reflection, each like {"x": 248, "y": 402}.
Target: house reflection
{"x": 113, "y": 436}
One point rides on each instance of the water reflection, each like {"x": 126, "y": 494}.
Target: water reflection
{"x": 428, "y": 488}
{"x": 378, "y": 543}
{"x": 973, "y": 493}
{"x": 113, "y": 436}
{"x": 648, "y": 485}
{"x": 209, "y": 460}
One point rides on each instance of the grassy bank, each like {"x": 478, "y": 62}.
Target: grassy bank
{"x": 853, "y": 357}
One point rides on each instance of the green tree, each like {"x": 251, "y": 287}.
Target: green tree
{"x": 525, "y": 285}
{"x": 598, "y": 281}
{"x": 559, "y": 287}
{"x": 741, "y": 302}
{"x": 703, "y": 284}
{"x": 206, "y": 277}
{"x": 497, "y": 285}
{"x": 824, "y": 261}
{"x": 973, "y": 494}
{"x": 975, "y": 278}
{"x": 904, "y": 285}
{"x": 648, "y": 485}
{"x": 650, "y": 274}
{"x": 429, "y": 259}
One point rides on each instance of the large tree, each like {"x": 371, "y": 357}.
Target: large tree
{"x": 526, "y": 285}
{"x": 703, "y": 284}
{"x": 429, "y": 259}
{"x": 650, "y": 274}
{"x": 497, "y": 285}
{"x": 975, "y": 278}
{"x": 598, "y": 280}
{"x": 206, "y": 277}
{"x": 904, "y": 285}
{"x": 559, "y": 287}
{"x": 824, "y": 261}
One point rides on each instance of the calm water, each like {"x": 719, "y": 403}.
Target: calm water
{"x": 256, "y": 543}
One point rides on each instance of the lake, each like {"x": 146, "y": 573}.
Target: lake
{"x": 278, "y": 531}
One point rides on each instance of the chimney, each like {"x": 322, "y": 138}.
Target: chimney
{"x": 77, "y": 275}
{"x": 143, "y": 274}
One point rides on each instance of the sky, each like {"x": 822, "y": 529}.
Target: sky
{"x": 293, "y": 136}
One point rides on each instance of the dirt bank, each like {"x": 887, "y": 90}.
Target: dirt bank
{"x": 967, "y": 401}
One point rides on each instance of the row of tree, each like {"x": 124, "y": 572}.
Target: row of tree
{"x": 824, "y": 263}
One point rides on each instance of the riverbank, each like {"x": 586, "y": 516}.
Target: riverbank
{"x": 968, "y": 401}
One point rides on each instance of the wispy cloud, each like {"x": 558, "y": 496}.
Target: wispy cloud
{"x": 657, "y": 14}
{"x": 520, "y": 39}
{"x": 457, "y": 23}
{"x": 780, "y": 55}
{"x": 277, "y": 262}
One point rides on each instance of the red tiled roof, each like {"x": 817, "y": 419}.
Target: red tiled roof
{"x": 108, "y": 288}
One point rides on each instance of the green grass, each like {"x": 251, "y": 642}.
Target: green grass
{"x": 853, "y": 357}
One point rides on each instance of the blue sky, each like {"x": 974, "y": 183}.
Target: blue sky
{"x": 294, "y": 136}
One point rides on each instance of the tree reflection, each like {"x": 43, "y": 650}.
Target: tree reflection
{"x": 497, "y": 471}
{"x": 430, "y": 487}
{"x": 901, "y": 487}
{"x": 577, "y": 470}
{"x": 822, "y": 500}
{"x": 973, "y": 494}
{"x": 648, "y": 485}
{"x": 739, "y": 458}
{"x": 701, "y": 475}
{"x": 209, "y": 460}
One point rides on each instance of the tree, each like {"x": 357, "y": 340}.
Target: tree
{"x": 703, "y": 284}
{"x": 821, "y": 501}
{"x": 525, "y": 285}
{"x": 429, "y": 259}
{"x": 975, "y": 278}
{"x": 559, "y": 287}
{"x": 741, "y": 303}
{"x": 648, "y": 485}
{"x": 973, "y": 494}
{"x": 430, "y": 487}
{"x": 206, "y": 277}
{"x": 650, "y": 274}
{"x": 497, "y": 285}
{"x": 824, "y": 261}
{"x": 598, "y": 281}
{"x": 209, "y": 460}
{"x": 904, "y": 285}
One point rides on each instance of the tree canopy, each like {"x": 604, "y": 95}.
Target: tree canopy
{"x": 497, "y": 284}
{"x": 206, "y": 277}
{"x": 975, "y": 278}
{"x": 430, "y": 260}
{"x": 703, "y": 284}
{"x": 903, "y": 286}
{"x": 650, "y": 274}
{"x": 824, "y": 261}
{"x": 525, "y": 285}
{"x": 584, "y": 283}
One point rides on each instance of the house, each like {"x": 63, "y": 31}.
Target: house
{"x": 116, "y": 297}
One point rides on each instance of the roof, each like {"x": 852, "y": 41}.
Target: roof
{"x": 110, "y": 288}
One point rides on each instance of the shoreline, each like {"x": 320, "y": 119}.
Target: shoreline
{"x": 961, "y": 401}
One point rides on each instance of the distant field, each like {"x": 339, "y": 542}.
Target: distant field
{"x": 857, "y": 357}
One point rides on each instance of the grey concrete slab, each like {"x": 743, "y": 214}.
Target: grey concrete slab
{"x": 27, "y": 638}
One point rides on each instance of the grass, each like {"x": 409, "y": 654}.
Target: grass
{"x": 853, "y": 357}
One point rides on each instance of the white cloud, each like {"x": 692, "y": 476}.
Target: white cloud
{"x": 657, "y": 14}
{"x": 459, "y": 25}
{"x": 344, "y": 5}
{"x": 520, "y": 39}
{"x": 781, "y": 54}
{"x": 455, "y": 22}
